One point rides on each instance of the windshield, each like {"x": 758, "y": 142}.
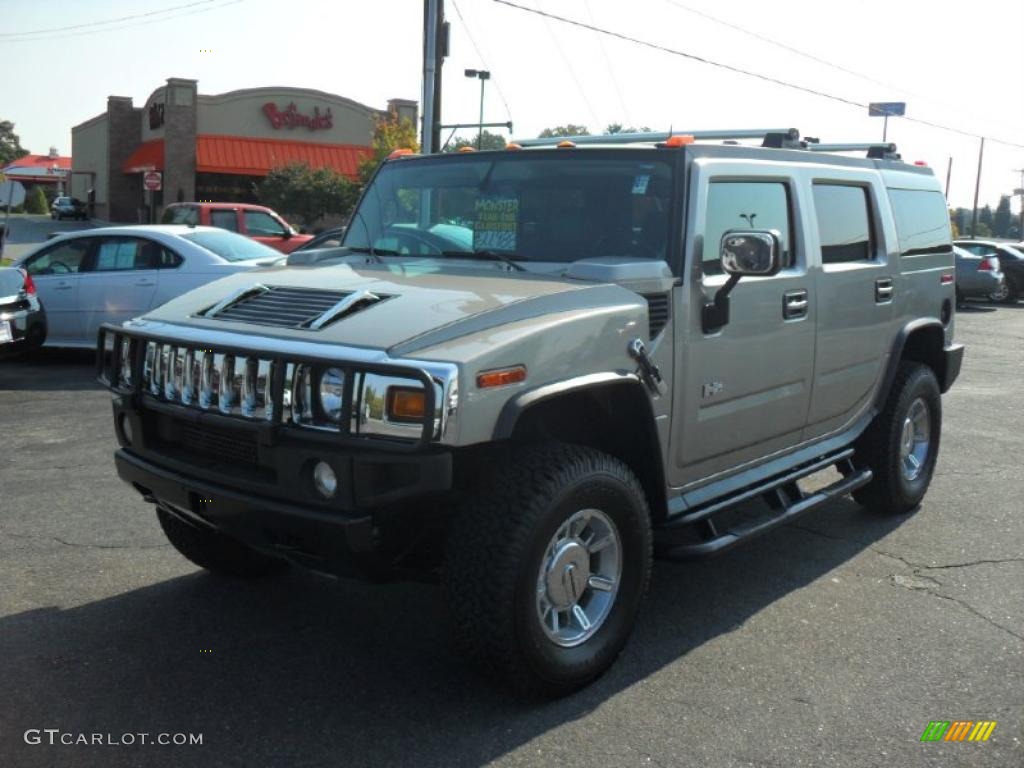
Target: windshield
{"x": 538, "y": 206}
{"x": 230, "y": 246}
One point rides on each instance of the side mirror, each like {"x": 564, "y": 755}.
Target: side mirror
{"x": 743, "y": 253}
{"x": 750, "y": 254}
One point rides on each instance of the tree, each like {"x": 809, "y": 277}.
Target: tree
{"x": 389, "y": 133}
{"x": 564, "y": 130}
{"x": 985, "y": 217}
{"x": 1002, "y": 220}
{"x": 35, "y": 201}
{"x": 489, "y": 141}
{"x": 614, "y": 128}
{"x": 308, "y": 193}
{"x": 953, "y": 223}
{"x": 10, "y": 145}
{"x": 982, "y": 230}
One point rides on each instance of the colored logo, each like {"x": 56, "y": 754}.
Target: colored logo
{"x": 958, "y": 730}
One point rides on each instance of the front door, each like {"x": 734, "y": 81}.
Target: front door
{"x": 55, "y": 271}
{"x": 742, "y": 391}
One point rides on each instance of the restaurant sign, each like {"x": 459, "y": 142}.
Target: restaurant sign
{"x": 290, "y": 117}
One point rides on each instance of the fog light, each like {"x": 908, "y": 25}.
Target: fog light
{"x": 324, "y": 479}
{"x": 126, "y": 428}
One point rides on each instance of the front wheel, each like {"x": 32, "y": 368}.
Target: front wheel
{"x": 214, "y": 551}
{"x": 901, "y": 445}
{"x": 547, "y": 566}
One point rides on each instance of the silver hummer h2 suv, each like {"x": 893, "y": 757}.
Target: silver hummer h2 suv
{"x": 527, "y": 371}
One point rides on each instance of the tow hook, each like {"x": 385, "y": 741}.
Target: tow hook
{"x": 648, "y": 370}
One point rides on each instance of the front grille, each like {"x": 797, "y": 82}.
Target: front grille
{"x": 279, "y": 307}
{"x": 657, "y": 312}
{"x": 222, "y": 444}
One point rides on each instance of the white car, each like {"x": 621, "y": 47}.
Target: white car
{"x": 113, "y": 274}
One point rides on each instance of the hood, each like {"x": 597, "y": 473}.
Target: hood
{"x": 404, "y": 308}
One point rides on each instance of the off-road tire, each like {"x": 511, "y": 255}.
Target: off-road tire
{"x": 497, "y": 543}
{"x": 879, "y": 447}
{"x": 214, "y": 551}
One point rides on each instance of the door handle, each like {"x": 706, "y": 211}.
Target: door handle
{"x": 63, "y": 286}
{"x": 145, "y": 283}
{"x": 883, "y": 290}
{"x": 794, "y": 304}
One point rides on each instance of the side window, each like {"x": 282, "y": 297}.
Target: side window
{"x": 224, "y": 220}
{"x": 844, "y": 223}
{"x": 181, "y": 214}
{"x": 116, "y": 254}
{"x": 745, "y": 205}
{"x": 62, "y": 259}
{"x": 922, "y": 222}
{"x": 169, "y": 259}
{"x": 262, "y": 224}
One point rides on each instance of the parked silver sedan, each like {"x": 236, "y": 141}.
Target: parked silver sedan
{"x": 977, "y": 277}
{"x": 113, "y": 274}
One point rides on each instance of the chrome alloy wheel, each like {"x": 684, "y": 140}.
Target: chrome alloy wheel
{"x": 1002, "y": 293}
{"x": 915, "y": 440}
{"x": 579, "y": 578}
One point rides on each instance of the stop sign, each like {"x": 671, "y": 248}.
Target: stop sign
{"x": 152, "y": 180}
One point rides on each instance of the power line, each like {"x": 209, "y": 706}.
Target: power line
{"x": 805, "y": 55}
{"x": 50, "y": 30}
{"x": 479, "y": 53}
{"x": 572, "y": 73}
{"x": 129, "y": 25}
{"x": 739, "y": 70}
{"x": 608, "y": 65}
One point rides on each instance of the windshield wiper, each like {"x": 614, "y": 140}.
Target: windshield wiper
{"x": 484, "y": 253}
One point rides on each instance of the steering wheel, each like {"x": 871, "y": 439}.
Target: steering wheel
{"x": 64, "y": 268}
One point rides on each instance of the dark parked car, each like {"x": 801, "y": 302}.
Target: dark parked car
{"x": 329, "y": 238}
{"x": 977, "y": 277}
{"x": 22, "y": 319}
{"x": 69, "y": 208}
{"x": 1011, "y": 262}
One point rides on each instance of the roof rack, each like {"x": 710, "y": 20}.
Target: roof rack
{"x": 771, "y": 137}
{"x": 876, "y": 150}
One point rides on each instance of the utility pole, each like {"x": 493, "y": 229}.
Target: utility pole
{"x": 484, "y": 76}
{"x": 435, "y": 48}
{"x": 949, "y": 173}
{"x": 977, "y": 189}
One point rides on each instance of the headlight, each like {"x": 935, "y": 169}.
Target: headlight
{"x": 332, "y": 393}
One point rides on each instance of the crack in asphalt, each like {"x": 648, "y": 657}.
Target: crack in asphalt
{"x": 920, "y": 586}
{"x": 79, "y": 544}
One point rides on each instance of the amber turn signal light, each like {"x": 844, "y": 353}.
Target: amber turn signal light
{"x": 406, "y": 404}
{"x": 501, "y": 376}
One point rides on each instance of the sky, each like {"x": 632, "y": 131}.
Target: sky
{"x": 953, "y": 63}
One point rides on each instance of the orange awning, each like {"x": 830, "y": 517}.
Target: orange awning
{"x": 256, "y": 157}
{"x": 148, "y": 156}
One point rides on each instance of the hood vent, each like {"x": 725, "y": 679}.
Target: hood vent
{"x": 282, "y": 307}
{"x": 657, "y": 312}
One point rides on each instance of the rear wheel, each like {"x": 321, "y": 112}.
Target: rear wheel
{"x": 214, "y": 551}
{"x": 1006, "y": 293}
{"x": 902, "y": 444}
{"x": 547, "y": 566}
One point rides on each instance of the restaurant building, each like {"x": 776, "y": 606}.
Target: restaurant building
{"x": 213, "y": 147}
{"x": 49, "y": 171}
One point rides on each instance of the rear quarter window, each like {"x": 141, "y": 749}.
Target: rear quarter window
{"x": 922, "y": 221}
{"x": 182, "y": 214}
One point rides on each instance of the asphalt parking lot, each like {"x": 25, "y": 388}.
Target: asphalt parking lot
{"x": 831, "y": 642}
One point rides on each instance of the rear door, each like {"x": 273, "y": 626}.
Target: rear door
{"x": 120, "y": 283}
{"x": 742, "y": 391}
{"x": 856, "y": 287}
{"x": 55, "y": 271}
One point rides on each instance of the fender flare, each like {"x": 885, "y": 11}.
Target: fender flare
{"x": 896, "y": 355}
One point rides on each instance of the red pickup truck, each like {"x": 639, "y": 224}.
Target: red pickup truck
{"x": 255, "y": 221}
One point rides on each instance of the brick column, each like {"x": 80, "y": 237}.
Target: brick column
{"x": 179, "y": 141}
{"x": 124, "y": 134}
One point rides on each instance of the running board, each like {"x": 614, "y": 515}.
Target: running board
{"x": 784, "y": 497}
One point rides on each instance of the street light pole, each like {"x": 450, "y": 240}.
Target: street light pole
{"x": 1020, "y": 192}
{"x": 483, "y": 76}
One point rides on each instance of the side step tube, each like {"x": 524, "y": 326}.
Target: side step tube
{"x": 780, "y": 492}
